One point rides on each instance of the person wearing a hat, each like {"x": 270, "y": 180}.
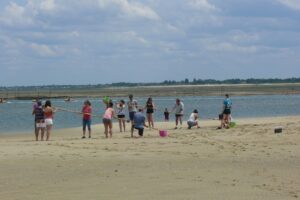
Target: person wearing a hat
{"x": 193, "y": 120}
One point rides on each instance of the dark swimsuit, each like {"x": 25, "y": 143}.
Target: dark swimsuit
{"x": 150, "y": 108}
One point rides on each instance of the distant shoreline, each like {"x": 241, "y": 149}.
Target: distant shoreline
{"x": 174, "y": 90}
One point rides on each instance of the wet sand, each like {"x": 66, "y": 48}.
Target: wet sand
{"x": 249, "y": 161}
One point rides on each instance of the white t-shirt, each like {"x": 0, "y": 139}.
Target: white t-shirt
{"x": 120, "y": 110}
{"x": 193, "y": 117}
{"x": 179, "y": 108}
{"x": 132, "y": 105}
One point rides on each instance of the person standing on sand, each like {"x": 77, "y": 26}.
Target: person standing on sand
{"x": 139, "y": 123}
{"x": 150, "y": 107}
{"x": 107, "y": 119}
{"x": 227, "y": 104}
{"x": 132, "y": 107}
{"x": 166, "y": 114}
{"x": 34, "y": 106}
{"x": 86, "y": 118}
{"x": 178, "y": 108}
{"x": 39, "y": 119}
{"x": 121, "y": 114}
{"x": 49, "y": 113}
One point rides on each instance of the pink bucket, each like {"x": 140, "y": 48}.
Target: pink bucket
{"x": 163, "y": 133}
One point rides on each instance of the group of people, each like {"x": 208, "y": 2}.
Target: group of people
{"x": 136, "y": 117}
{"x": 43, "y": 119}
{"x": 44, "y": 116}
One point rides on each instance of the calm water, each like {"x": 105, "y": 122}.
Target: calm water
{"x": 16, "y": 115}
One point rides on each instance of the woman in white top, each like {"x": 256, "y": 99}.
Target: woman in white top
{"x": 121, "y": 114}
{"x": 178, "y": 109}
{"x": 193, "y": 120}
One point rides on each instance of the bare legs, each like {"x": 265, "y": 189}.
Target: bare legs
{"x": 150, "y": 120}
{"x": 108, "y": 129}
{"x": 122, "y": 124}
{"x": 37, "y": 131}
{"x": 48, "y": 132}
{"x": 178, "y": 119}
{"x": 225, "y": 121}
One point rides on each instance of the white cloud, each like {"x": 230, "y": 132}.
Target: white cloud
{"x": 131, "y": 9}
{"x": 43, "y": 50}
{"x": 244, "y": 37}
{"x": 229, "y": 47}
{"x": 47, "y": 5}
{"x": 157, "y": 33}
{"x": 293, "y": 4}
{"x": 202, "y": 5}
{"x": 15, "y": 14}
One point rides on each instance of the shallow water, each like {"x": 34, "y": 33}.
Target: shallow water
{"x": 16, "y": 114}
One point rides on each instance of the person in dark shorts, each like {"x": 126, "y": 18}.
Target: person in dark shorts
{"x": 107, "y": 118}
{"x": 226, "y": 113}
{"x": 121, "y": 114}
{"x": 150, "y": 107}
{"x": 139, "y": 123}
{"x": 166, "y": 114}
{"x": 178, "y": 109}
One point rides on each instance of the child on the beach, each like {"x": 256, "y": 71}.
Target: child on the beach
{"x": 193, "y": 120}
{"x": 121, "y": 114}
{"x": 86, "y": 118}
{"x": 107, "y": 119}
{"x": 166, "y": 114}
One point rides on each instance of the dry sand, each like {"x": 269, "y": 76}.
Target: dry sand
{"x": 246, "y": 162}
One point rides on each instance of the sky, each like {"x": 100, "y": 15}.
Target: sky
{"x": 46, "y": 42}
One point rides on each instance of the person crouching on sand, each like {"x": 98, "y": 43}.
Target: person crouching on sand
{"x": 107, "y": 119}
{"x": 86, "y": 118}
{"x": 139, "y": 123}
{"x": 193, "y": 120}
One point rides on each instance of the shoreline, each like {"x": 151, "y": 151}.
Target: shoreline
{"x": 161, "y": 125}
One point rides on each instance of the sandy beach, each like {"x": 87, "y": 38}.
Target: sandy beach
{"x": 249, "y": 161}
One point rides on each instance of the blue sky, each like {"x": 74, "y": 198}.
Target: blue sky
{"x": 103, "y": 41}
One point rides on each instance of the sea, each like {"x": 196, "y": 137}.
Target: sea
{"x": 16, "y": 115}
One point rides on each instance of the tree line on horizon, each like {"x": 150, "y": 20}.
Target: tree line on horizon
{"x": 164, "y": 83}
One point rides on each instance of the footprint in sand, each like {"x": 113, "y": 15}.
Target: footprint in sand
{"x": 293, "y": 194}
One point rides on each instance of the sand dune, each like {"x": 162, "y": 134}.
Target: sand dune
{"x": 246, "y": 162}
